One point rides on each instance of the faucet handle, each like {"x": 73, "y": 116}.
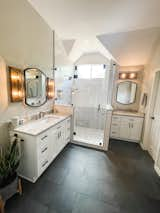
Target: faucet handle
{"x": 41, "y": 114}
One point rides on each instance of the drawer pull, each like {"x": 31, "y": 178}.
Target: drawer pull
{"x": 44, "y": 150}
{"x": 114, "y": 132}
{"x": 44, "y": 137}
{"x": 58, "y": 127}
{"x": 113, "y": 124}
{"x": 45, "y": 163}
{"x": 59, "y": 135}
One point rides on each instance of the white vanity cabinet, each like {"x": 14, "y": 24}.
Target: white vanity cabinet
{"x": 127, "y": 128}
{"x": 38, "y": 151}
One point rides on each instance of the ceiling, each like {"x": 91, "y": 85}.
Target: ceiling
{"x": 131, "y": 48}
{"x": 116, "y": 23}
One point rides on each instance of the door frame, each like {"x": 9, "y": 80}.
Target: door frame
{"x": 148, "y": 124}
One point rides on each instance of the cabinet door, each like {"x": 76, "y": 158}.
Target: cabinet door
{"x": 136, "y": 129}
{"x": 53, "y": 149}
{"x": 124, "y": 128}
{"x": 67, "y": 130}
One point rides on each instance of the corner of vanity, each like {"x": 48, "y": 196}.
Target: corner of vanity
{"x": 127, "y": 126}
{"x": 43, "y": 139}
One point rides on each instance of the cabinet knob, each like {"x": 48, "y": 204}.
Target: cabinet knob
{"x": 152, "y": 117}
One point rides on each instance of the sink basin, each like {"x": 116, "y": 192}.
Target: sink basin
{"x": 40, "y": 125}
{"x": 52, "y": 116}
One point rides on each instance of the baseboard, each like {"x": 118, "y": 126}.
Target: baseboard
{"x": 157, "y": 170}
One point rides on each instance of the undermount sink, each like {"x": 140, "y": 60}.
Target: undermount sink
{"x": 53, "y": 116}
{"x": 40, "y": 125}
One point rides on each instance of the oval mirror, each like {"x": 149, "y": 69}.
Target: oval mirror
{"x": 35, "y": 87}
{"x": 126, "y": 92}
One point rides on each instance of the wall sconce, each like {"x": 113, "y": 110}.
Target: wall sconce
{"x": 124, "y": 75}
{"x": 16, "y": 84}
{"x": 50, "y": 88}
{"x": 132, "y": 75}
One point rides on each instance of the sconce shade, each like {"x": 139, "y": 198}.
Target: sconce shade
{"x": 16, "y": 84}
{"x": 50, "y": 88}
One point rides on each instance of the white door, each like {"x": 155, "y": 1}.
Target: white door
{"x": 155, "y": 126}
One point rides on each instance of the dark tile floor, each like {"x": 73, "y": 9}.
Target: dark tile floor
{"x": 83, "y": 180}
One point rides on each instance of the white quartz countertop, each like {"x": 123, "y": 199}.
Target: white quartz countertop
{"x": 128, "y": 113}
{"x": 38, "y": 126}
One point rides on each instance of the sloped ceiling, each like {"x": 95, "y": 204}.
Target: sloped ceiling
{"x": 87, "y": 47}
{"x": 73, "y": 19}
{"x": 68, "y": 45}
{"x": 131, "y": 48}
{"x": 92, "y": 58}
{"x": 118, "y": 24}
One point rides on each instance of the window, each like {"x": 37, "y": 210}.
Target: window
{"x": 91, "y": 71}
{"x": 84, "y": 71}
{"x": 98, "y": 71}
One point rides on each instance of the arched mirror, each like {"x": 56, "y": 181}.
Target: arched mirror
{"x": 35, "y": 87}
{"x": 126, "y": 92}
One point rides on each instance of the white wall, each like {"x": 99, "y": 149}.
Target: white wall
{"x": 25, "y": 41}
{"x": 151, "y": 69}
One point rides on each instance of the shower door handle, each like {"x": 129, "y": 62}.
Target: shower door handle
{"x": 99, "y": 108}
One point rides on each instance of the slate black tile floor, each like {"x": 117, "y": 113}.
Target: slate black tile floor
{"x": 83, "y": 180}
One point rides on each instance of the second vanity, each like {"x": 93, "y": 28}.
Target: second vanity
{"x": 43, "y": 141}
{"x": 127, "y": 126}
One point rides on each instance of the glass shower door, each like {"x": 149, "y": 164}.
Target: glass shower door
{"x": 89, "y": 101}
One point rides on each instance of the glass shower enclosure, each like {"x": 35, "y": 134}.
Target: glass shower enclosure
{"x": 87, "y": 88}
{"x": 89, "y": 98}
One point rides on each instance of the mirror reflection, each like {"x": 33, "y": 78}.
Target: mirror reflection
{"x": 35, "y": 87}
{"x": 126, "y": 92}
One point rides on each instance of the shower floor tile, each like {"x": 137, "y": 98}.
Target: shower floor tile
{"x": 89, "y": 135}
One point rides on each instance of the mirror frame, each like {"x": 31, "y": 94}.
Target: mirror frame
{"x": 135, "y": 94}
{"x": 25, "y": 86}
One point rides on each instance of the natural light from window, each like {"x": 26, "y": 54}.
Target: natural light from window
{"x": 90, "y": 71}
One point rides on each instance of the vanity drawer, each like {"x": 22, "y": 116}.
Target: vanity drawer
{"x": 43, "y": 140}
{"x": 115, "y": 128}
{"x": 115, "y": 118}
{"x": 43, "y": 153}
{"x": 43, "y": 165}
{"x": 114, "y": 134}
{"x": 115, "y": 124}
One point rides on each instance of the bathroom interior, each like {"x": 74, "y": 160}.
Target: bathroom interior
{"x": 92, "y": 100}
